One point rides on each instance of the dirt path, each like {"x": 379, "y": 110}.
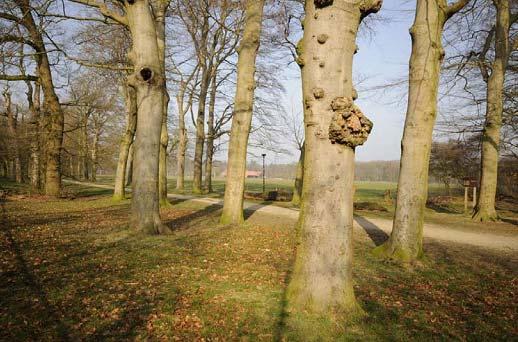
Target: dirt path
{"x": 374, "y": 227}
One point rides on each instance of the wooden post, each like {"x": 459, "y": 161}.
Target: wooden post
{"x": 465, "y": 199}
{"x": 474, "y": 197}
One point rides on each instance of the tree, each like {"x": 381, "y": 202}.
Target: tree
{"x": 242, "y": 119}
{"x": 31, "y": 35}
{"x": 485, "y": 209}
{"x": 406, "y": 240}
{"x": 321, "y": 286}
{"x": 119, "y": 192}
{"x": 149, "y": 83}
{"x": 450, "y": 161}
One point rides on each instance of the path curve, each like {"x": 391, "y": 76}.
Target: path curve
{"x": 370, "y": 225}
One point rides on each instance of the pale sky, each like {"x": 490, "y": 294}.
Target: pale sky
{"x": 383, "y": 58}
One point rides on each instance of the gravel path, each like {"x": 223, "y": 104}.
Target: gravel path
{"x": 376, "y": 228}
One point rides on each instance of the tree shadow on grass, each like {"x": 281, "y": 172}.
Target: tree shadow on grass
{"x": 186, "y": 221}
{"x": 377, "y": 235}
{"x": 61, "y": 298}
{"x": 50, "y": 312}
{"x": 248, "y": 212}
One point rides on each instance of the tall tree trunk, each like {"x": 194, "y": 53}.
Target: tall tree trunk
{"x": 127, "y": 139}
{"x": 210, "y": 134}
{"x": 206, "y": 68}
{"x": 54, "y": 114}
{"x": 182, "y": 142}
{"x": 321, "y": 286}
{"x": 242, "y": 119}
{"x": 160, "y": 10}
{"x": 84, "y": 148}
{"x": 34, "y": 107}
{"x": 485, "y": 209}
{"x": 149, "y": 83}
{"x": 200, "y": 132}
{"x": 299, "y": 180}
{"x": 406, "y": 240}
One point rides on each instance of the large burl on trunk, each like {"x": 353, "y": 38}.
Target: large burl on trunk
{"x": 321, "y": 287}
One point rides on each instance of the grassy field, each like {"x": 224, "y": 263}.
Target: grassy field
{"x": 71, "y": 269}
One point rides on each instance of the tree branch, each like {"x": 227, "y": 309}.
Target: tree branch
{"x": 121, "y": 19}
{"x": 18, "y": 78}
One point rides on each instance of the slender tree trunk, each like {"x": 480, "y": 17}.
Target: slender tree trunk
{"x": 322, "y": 286}
{"x": 164, "y": 141}
{"x": 160, "y": 10}
{"x": 242, "y": 119}
{"x": 299, "y": 180}
{"x": 129, "y": 166}
{"x": 95, "y": 151}
{"x": 149, "y": 84}
{"x": 182, "y": 143}
{"x": 127, "y": 139}
{"x": 210, "y": 134}
{"x": 13, "y": 147}
{"x": 406, "y": 241}
{"x": 54, "y": 114}
{"x": 485, "y": 209}
{"x": 34, "y": 106}
{"x": 84, "y": 148}
{"x": 200, "y": 132}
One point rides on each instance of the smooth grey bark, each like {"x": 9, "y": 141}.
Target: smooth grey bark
{"x": 149, "y": 84}
{"x": 321, "y": 287}
{"x": 485, "y": 209}
{"x": 243, "y": 110}
{"x": 406, "y": 240}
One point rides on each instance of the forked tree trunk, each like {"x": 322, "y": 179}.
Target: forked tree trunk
{"x": 127, "y": 139}
{"x": 209, "y": 156}
{"x": 406, "y": 240}
{"x": 485, "y": 209}
{"x": 321, "y": 286}
{"x": 149, "y": 83}
{"x": 299, "y": 180}
{"x": 54, "y": 114}
{"x": 242, "y": 119}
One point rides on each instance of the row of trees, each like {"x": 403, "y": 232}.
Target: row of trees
{"x": 225, "y": 40}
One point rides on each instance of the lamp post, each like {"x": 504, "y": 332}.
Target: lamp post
{"x": 264, "y": 183}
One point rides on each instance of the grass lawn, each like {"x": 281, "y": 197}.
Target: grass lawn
{"x": 72, "y": 270}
